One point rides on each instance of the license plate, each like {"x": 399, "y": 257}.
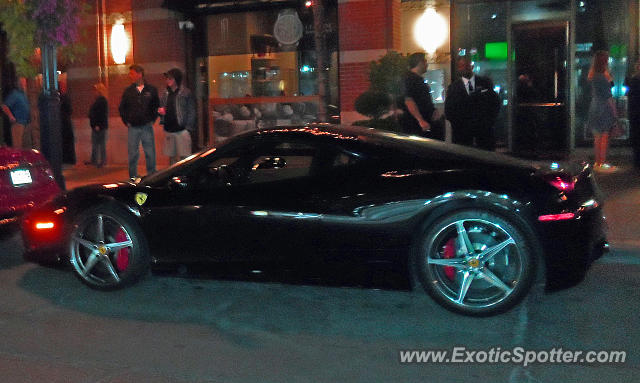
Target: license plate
{"x": 21, "y": 177}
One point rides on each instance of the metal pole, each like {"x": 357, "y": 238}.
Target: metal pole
{"x": 49, "y": 108}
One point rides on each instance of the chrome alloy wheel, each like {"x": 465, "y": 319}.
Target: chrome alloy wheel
{"x": 474, "y": 263}
{"x": 100, "y": 248}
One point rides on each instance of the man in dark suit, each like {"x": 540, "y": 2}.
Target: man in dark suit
{"x": 472, "y": 107}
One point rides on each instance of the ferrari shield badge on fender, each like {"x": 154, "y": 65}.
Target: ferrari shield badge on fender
{"x": 141, "y": 198}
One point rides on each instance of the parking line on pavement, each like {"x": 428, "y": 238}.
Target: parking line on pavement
{"x": 620, "y": 259}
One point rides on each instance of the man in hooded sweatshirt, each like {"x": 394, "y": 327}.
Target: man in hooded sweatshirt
{"x": 178, "y": 113}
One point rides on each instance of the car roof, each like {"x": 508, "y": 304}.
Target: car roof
{"x": 348, "y": 135}
{"x": 411, "y": 144}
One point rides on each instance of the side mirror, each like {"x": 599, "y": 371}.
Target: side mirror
{"x": 179, "y": 182}
{"x": 222, "y": 173}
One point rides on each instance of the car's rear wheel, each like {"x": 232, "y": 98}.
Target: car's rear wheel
{"x": 108, "y": 250}
{"x": 474, "y": 262}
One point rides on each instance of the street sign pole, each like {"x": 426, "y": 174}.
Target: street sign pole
{"x": 49, "y": 107}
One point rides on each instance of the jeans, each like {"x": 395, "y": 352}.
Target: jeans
{"x": 99, "y": 147}
{"x": 136, "y": 135}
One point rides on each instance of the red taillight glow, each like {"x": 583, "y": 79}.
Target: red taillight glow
{"x": 561, "y": 184}
{"x": 556, "y": 217}
{"x": 44, "y": 225}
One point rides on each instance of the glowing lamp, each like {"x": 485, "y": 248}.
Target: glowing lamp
{"x": 120, "y": 42}
{"x": 430, "y": 31}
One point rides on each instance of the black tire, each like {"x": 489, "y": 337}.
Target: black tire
{"x": 494, "y": 283}
{"x": 110, "y": 258}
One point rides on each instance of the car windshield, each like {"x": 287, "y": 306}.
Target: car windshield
{"x": 168, "y": 172}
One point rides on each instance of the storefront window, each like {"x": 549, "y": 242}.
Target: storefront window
{"x": 263, "y": 68}
{"x": 536, "y": 32}
{"x": 602, "y": 26}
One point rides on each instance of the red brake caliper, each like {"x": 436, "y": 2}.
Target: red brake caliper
{"x": 122, "y": 258}
{"x": 449, "y": 251}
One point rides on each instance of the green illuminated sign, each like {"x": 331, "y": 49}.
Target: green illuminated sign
{"x": 496, "y": 51}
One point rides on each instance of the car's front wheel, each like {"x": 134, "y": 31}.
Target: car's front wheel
{"x": 108, "y": 250}
{"x": 474, "y": 262}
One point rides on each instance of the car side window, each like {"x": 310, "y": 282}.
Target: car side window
{"x": 282, "y": 161}
{"x": 344, "y": 159}
{"x": 227, "y": 161}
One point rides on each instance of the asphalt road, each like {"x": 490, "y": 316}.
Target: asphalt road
{"x": 176, "y": 329}
{"x": 172, "y": 328}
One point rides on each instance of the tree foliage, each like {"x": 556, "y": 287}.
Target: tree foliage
{"x": 387, "y": 73}
{"x": 33, "y": 23}
{"x": 385, "y": 91}
{"x": 21, "y": 30}
{"x": 373, "y": 103}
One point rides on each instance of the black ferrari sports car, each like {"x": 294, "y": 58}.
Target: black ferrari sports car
{"x": 471, "y": 228}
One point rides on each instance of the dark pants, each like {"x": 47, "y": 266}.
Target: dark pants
{"x": 141, "y": 135}
{"x": 99, "y": 147}
{"x": 634, "y": 133}
{"x": 478, "y": 136}
{"x": 411, "y": 126}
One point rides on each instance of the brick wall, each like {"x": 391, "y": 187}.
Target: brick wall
{"x": 157, "y": 45}
{"x": 367, "y": 29}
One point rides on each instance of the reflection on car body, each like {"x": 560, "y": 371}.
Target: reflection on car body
{"x": 469, "y": 224}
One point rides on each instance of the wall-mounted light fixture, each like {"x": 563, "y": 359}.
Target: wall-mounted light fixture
{"x": 430, "y": 30}
{"x": 120, "y": 42}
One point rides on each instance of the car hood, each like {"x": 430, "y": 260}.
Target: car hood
{"x": 115, "y": 189}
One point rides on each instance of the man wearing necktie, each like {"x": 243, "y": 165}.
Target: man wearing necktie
{"x": 472, "y": 107}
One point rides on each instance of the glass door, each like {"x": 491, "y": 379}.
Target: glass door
{"x": 540, "y": 109}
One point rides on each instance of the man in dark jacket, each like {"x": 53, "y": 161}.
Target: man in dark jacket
{"x": 139, "y": 110}
{"x": 178, "y": 116}
{"x": 472, "y": 107}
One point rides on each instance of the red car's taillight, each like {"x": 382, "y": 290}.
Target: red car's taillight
{"x": 43, "y": 228}
{"x": 47, "y": 225}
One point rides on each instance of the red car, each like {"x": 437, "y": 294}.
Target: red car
{"x": 26, "y": 180}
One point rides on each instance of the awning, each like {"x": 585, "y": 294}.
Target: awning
{"x": 220, "y": 6}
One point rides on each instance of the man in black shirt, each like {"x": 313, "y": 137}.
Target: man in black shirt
{"x": 139, "y": 110}
{"x": 417, "y": 104}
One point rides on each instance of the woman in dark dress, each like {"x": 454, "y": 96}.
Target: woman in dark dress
{"x": 68, "y": 139}
{"x": 99, "y": 121}
{"x": 602, "y": 113}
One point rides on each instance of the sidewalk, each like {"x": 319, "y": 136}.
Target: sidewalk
{"x": 80, "y": 175}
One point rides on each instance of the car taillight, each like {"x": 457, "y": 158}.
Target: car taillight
{"x": 43, "y": 228}
{"x": 562, "y": 182}
{"x": 556, "y": 217}
{"x": 46, "y": 225}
